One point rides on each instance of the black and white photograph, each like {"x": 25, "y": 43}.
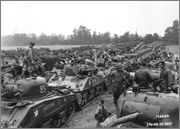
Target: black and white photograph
{"x": 90, "y": 64}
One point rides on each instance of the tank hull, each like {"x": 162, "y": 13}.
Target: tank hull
{"x": 89, "y": 91}
{"x": 37, "y": 112}
{"x": 157, "y": 109}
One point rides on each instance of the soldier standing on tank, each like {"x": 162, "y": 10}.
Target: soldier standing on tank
{"x": 31, "y": 53}
{"x": 31, "y": 61}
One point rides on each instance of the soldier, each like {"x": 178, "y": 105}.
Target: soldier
{"x": 135, "y": 64}
{"x": 125, "y": 76}
{"x": 165, "y": 76}
{"x": 127, "y": 65}
{"x": 143, "y": 77}
{"x": 121, "y": 70}
{"x": 32, "y": 63}
{"x": 101, "y": 113}
{"x": 31, "y": 54}
{"x": 119, "y": 84}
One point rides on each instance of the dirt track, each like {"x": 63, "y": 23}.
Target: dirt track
{"x": 85, "y": 117}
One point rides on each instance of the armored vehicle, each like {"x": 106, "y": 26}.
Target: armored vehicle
{"x": 86, "y": 84}
{"x": 29, "y": 102}
{"x": 146, "y": 109}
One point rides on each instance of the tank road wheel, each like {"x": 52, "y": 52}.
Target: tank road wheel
{"x": 69, "y": 112}
{"x": 89, "y": 96}
{"x": 70, "y": 109}
{"x": 81, "y": 101}
{"x": 86, "y": 98}
{"x": 92, "y": 94}
{"x": 56, "y": 122}
{"x": 101, "y": 89}
{"x": 59, "y": 119}
{"x": 96, "y": 92}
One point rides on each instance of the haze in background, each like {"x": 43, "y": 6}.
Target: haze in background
{"x": 61, "y": 17}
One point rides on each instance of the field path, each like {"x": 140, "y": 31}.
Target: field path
{"x": 85, "y": 117}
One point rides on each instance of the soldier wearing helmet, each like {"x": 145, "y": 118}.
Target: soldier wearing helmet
{"x": 32, "y": 62}
{"x": 165, "y": 76}
{"x": 30, "y": 53}
{"x": 119, "y": 76}
{"x": 120, "y": 70}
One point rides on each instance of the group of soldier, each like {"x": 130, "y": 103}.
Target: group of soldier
{"x": 166, "y": 82}
{"x": 32, "y": 66}
{"x": 31, "y": 63}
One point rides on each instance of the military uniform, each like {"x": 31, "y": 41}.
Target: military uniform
{"x": 31, "y": 54}
{"x": 118, "y": 81}
{"x": 32, "y": 63}
{"x": 143, "y": 78}
{"x": 101, "y": 114}
{"x": 167, "y": 78}
{"x": 127, "y": 66}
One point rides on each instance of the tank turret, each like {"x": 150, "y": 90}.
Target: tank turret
{"x": 26, "y": 88}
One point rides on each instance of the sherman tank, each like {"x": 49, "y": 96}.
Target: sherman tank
{"x": 146, "y": 109}
{"x": 29, "y": 102}
{"x": 86, "y": 84}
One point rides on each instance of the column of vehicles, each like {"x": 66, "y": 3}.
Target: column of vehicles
{"x": 48, "y": 101}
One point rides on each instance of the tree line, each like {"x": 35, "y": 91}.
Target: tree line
{"x": 83, "y": 35}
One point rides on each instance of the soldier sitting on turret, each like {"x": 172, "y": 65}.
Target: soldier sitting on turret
{"x": 166, "y": 77}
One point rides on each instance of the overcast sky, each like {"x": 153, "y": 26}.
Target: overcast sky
{"x": 61, "y": 17}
